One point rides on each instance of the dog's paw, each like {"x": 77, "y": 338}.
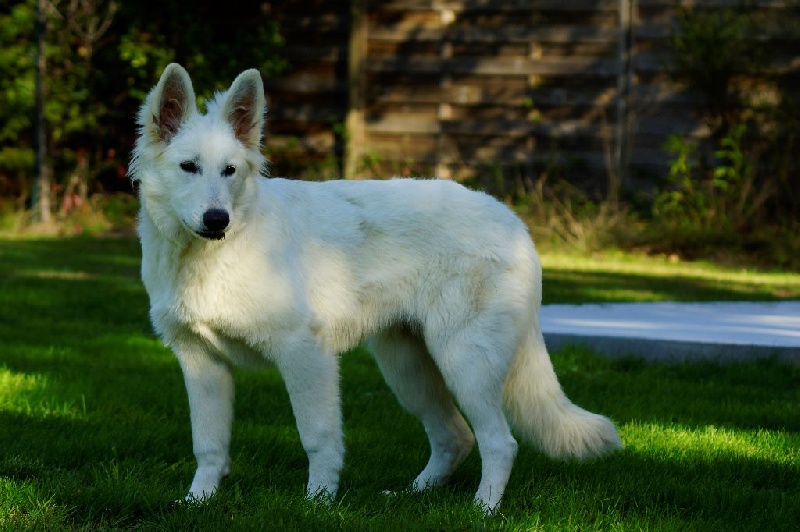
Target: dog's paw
{"x": 192, "y": 499}
{"x": 409, "y": 490}
{"x": 320, "y": 495}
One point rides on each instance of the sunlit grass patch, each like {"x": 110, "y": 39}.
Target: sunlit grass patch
{"x": 710, "y": 442}
{"x": 33, "y": 396}
{"x": 607, "y": 278}
{"x": 23, "y": 507}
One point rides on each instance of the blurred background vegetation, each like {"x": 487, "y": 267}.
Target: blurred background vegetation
{"x": 730, "y": 194}
{"x": 102, "y": 57}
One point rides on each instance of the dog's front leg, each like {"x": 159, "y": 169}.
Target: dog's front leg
{"x": 209, "y": 384}
{"x": 312, "y": 380}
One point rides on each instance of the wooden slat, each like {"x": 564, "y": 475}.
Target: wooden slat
{"x": 709, "y": 4}
{"x": 498, "y": 96}
{"x": 499, "y": 5}
{"x": 306, "y": 113}
{"x": 305, "y": 83}
{"x": 406, "y": 124}
{"x": 315, "y": 142}
{"x": 519, "y": 66}
{"x": 507, "y": 34}
{"x": 332, "y": 53}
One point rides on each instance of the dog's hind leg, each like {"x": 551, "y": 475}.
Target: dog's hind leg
{"x": 474, "y": 361}
{"x": 416, "y": 381}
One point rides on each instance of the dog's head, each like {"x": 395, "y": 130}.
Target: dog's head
{"x": 196, "y": 170}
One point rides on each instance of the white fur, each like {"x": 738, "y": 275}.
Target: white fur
{"x": 442, "y": 282}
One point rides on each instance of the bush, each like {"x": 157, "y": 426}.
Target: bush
{"x": 725, "y": 195}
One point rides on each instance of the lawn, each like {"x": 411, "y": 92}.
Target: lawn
{"x": 94, "y": 426}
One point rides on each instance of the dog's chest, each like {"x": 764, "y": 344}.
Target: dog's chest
{"x": 212, "y": 297}
{"x": 232, "y": 293}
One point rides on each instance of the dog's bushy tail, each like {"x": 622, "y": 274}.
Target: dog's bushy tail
{"x": 540, "y": 412}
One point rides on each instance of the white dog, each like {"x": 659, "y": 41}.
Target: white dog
{"x": 442, "y": 282}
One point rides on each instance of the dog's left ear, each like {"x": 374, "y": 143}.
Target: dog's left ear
{"x": 244, "y": 107}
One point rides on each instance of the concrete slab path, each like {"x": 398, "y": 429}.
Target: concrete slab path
{"x": 724, "y": 331}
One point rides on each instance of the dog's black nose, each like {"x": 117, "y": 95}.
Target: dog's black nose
{"x": 215, "y": 220}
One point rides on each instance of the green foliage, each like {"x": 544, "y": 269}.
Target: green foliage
{"x": 710, "y": 50}
{"x": 94, "y": 421}
{"x": 16, "y": 63}
{"x": 682, "y": 201}
{"x": 102, "y": 58}
{"x": 213, "y": 44}
{"x": 733, "y": 166}
{"x": 735, "y": 191}
{"x": 16, "y": 159}
{"x": 143, "y": 53}
{"x": 16, "y": 87}
{"x": 728, "y": 210}
{"x": 724, "y": 196}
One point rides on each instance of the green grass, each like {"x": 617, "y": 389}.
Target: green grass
{"x": 94, "y": 429}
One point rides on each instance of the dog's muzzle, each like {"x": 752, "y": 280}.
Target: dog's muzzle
{"x": 215, "y": 221}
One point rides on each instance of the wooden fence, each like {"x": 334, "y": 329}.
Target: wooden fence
{"x": 481, "y": 89}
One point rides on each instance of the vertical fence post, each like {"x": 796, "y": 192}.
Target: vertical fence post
{"x": 535, "y": 53}
{"x": 445, "y": 112}
{"x": 354, "y": 126}
{"x": 618, "y": 174}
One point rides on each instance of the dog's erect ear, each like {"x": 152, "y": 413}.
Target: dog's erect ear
{"x": 244, "y": 107}
{"x": 170, "y": 104}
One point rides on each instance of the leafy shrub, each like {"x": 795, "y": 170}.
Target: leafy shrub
{"x": 711, "y": 50}
{"x": 725, "y": 195}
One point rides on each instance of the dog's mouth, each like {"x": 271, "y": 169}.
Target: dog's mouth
{"x": 212, "y": 235}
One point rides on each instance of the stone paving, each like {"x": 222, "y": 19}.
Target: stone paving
{"x": 722, "y": 331}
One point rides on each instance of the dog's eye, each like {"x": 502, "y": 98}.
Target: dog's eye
{"x": 229, "y": 170}
{"x": 190, "y": 167}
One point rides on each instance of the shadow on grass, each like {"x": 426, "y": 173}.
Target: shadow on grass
{"x": 114, "y": 255}
{"x": 642, "y": 489}
{"x": 762, "y": 394}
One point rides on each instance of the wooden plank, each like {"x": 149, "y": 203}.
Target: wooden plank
{"x": 315, "y": 142}
{"x": 709, "y": 4}
{"x": 319, "y": 23}
{"x": 305, "y": 83}
{"x": 391, "y": 153}
{"x": 522, "y": 128}
{"x": 518, "y": 66}
{"x": 306, "y": 113}
{"x": 464, "y": 166}
{"x": 506, "y": 34}
{"x": 655, "y": 62}
{"x": 665, "y": 125}
{"x": 655, "y": 30}
{"x": 499, "y": 5}
{"x": 331, "y": 53}
{"x": 499, "y": 96}
{"x": 405, "y": 124}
